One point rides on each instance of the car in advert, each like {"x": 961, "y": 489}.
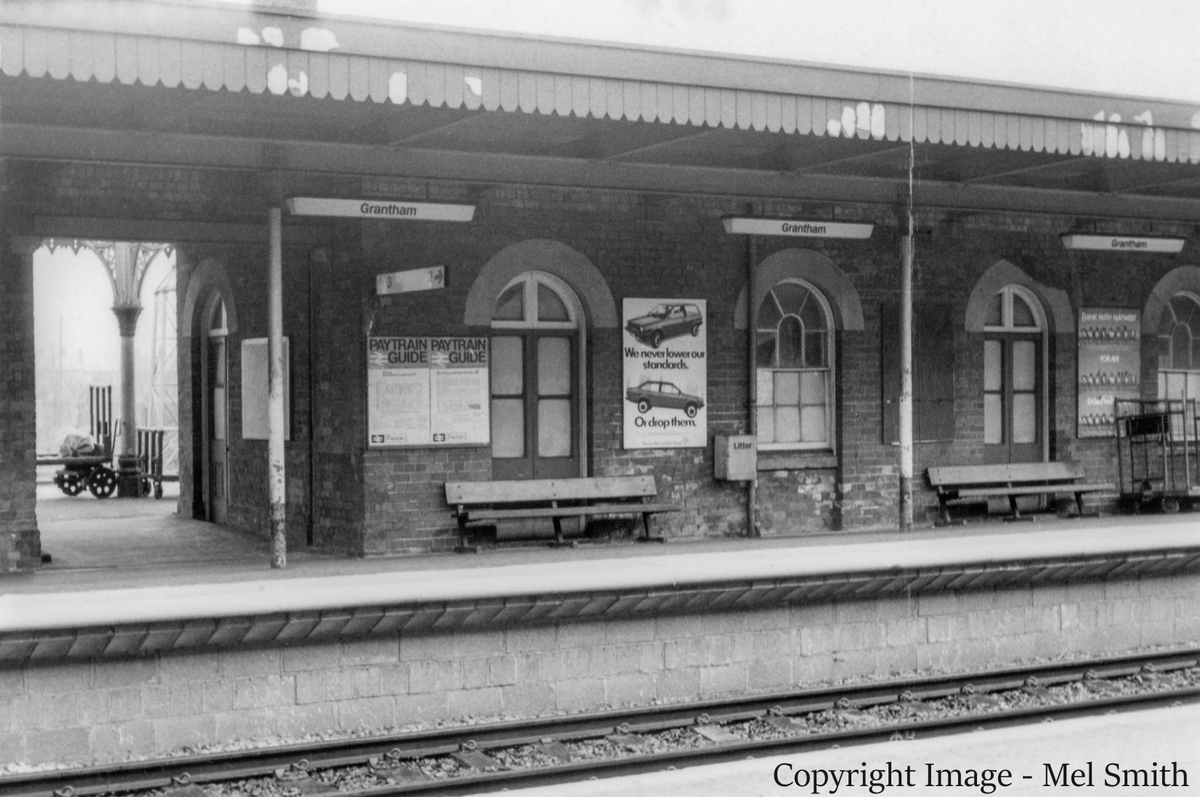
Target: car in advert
{"x": 654, "y": 393}
{"x": 666, "y": 321}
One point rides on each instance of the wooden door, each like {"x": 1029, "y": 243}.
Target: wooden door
{"x": 534, "y": 383}
{"x": 216, "y": 434}
{"x": 1014, "y": 418}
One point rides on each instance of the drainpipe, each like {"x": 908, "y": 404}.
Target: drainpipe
{"x": 275, "y": 419}
{"x": 752, "y": 529}
{"x": 906, "y": 382}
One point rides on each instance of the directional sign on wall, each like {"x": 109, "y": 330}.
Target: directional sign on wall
{"x": 386, "y": 209}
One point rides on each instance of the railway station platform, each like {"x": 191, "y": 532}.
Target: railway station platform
{"x": 143, "y": 543}
{"x": 1142, "y": 741}
{"x": 148, "y": 633}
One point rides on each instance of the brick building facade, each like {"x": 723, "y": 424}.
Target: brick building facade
{"x": 711, "y": 138}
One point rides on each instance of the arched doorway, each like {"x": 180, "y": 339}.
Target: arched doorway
{"x": 214, "y": 414}
{"x": 1014, "y": 377}
{"x": 537, "y": 376}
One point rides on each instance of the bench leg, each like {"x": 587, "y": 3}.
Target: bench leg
{"x": 1016, "y": 511}
{"x": 463, "y": 547}
{"x": 646, "y": 536}
{"x": 559, "y": 540}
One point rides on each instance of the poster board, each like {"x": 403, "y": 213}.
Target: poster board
{"x": 256, "y": 390}
{"x": 427, "y": 392}
{"x": 1110, "y": 365}
{"x": 665, "y": 354}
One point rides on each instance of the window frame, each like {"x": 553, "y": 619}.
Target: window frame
{"x": 828, "y": 445}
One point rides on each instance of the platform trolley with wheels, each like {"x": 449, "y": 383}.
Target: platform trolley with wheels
{"x": 1158, "y": 453}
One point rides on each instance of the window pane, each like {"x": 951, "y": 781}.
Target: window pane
{"x": 768, "y": 313}
{"x": 787, "y": 424}
{"x": 992, "y": 362}
{"x": 1024, "y": 422}
{"x": 1024, "y": 354}
{"x": 511, "y": 304}
{"x": 812, "y": 314}
{"x": 791, "y": 343}
{"x": 1184, "y": 309}
{"x": 812, "y": 424}
{"x": 554, "y": 366}
{"x": 1181, "y": 347}
{"x": 550, "y": 306}
{"x": 791, "y": 297}
{"x": 787, "y": 388}
{"x": 993, "y": 419}
{"x": 1022, "y": 314}
{"x": 766, "y": 349}
{"x": 812, "y": 388}
{"x": 814, "y": 348}
{"x": 995, "y": 311}
{"x": 554, "y": 428}
{"x": 508, "y": 428}
{"x": 766, "y": 388}
{"x": 766, "y": 424}
{"x": 218, "y": 413}
{"x": 508, "y": 366}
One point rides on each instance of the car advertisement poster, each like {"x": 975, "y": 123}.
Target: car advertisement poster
{"x": 666, "y": 373}
{"x": 1110, "y": 366}
{"x": 427, "y": 391}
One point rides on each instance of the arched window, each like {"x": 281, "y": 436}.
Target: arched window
{"x": 1179, "y": 348}
{"x": 794, "y": 338}
{"x": 536, "y": 379}
{"x": 1013, "y": 377}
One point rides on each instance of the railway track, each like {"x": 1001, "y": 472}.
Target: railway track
{"x": 464, "y": 760}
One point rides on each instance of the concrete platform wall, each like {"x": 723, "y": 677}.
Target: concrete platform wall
{"x": 109, "y": 710}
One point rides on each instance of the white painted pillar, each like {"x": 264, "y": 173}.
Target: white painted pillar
{"x": 906, "y": 384}
{"x": 276, "y": 475}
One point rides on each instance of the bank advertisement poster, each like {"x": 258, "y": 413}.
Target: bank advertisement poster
{"x": 666, "y": 373}
{"x": 427, "y": 391}
{"x": 1110, "y": 365}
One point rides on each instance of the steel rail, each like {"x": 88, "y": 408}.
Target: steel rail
{"x": 264, "y": 762}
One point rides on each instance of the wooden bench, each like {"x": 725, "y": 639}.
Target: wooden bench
{"x": 975, "y": 482}
{"x": 558, "y": 499}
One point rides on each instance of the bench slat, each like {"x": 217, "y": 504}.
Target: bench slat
{"x": 473, "y": 515}
{"x": 1046, "y": 489}
{"x": 533, "y": 490}
{"x": 1016, "y": 473}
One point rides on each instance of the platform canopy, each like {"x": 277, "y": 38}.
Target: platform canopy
{"x": 191, "y": 83}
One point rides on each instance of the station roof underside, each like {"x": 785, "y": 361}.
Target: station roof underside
{"x": 198, "y": 85}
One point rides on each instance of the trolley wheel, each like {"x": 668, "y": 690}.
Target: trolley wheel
{"x": 158, "y": 489}
{"x": 102, "y": 482}
{"x": 1169, "y": 504}
{"x": 145, "y": 486}
{"x": 70, "y": 484}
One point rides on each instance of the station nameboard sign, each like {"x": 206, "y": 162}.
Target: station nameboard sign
{"x": 418, "y": 279}
{"x": 797, "y": 228}
{"x": 388, "y": 209}
{"x": 1122, "y": 243}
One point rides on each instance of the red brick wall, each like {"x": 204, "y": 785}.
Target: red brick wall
{"x": 20, "y": 548}
{"x": 643, "y": 245}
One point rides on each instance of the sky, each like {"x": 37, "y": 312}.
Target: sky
{"x": 1145, "y": 48}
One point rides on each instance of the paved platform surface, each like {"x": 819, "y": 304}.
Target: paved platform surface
{"x": 1034, "y": 754}
{"x": 128, "y": 543}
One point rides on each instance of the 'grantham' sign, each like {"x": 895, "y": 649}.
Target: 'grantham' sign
{"x": 396, "y": 210}
{"x": 797, "y": 228}
{"x": 1122, "y": 243}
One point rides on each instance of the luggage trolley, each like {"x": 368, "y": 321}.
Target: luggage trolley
{"x": 1158, "y": 457}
